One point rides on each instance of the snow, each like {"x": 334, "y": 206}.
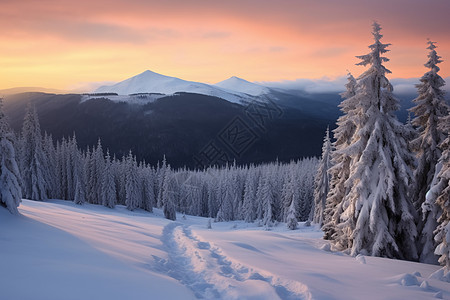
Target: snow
{"x": 243, "y": 86}
{"x": 151, "y": 82}
{"x": 59, "y": 250}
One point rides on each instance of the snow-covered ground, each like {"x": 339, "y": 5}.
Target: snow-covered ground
{"x": 58, "y": 250}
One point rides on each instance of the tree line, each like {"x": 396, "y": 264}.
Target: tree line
{"x": 42, "y": 169}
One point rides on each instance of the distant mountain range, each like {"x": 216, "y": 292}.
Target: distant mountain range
{"x": 151, "y": 82}
{"x": 189, "y": 122}
{"x": 26, "y": 89}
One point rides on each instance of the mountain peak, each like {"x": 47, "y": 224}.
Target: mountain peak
{"x": 151, "y": 82}
{"x": 237, "y": 84}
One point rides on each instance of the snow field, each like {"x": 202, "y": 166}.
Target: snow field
{"x": 59, "y": 250}
{"x": 212, "y": 275}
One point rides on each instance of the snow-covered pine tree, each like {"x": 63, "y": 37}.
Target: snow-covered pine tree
{"x": 225, "y": 196}
{"x": 437, "y": 201}
{"x": 80, "y": 177}
{"x": 10, "y": 180}
{"x": 108, "y": 184}
{"x": 378, "y": 213}
{"x": 291, "y": 219}
{"x": 72, "y": 157}
{"x": 131, "y": 185}
{"x": 120, "y": 177}
{"x": 306, "y": 171}
{"x": 249, "y": 210}
{"x": 96, "y": 172}
{"x": 148, "y": 192}
{"x": 322, "y": 180}
{"x": 50, "y": 157}
{"x": 429, "y": 109}
{"x": 212, "y": 183}
{"x": 340, "y": 170}
{"x": 33, "y": 163}
{"x": 168, "y": 196}
{"x": 288, "y": 190}
{"x": 61, "y": 173}
{"x": 268, "y": 199}
{"x": 161, "y": 175}
{"x": 259, "y": 198}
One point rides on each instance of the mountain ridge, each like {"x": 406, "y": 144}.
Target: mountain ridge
{"x": 152, "y": 82}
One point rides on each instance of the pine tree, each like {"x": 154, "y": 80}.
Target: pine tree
{"x": 131, "y": 185}
{"x": 33, "y": 163}
{"x": 96, "y": 166}
{"x": 10, "y": 180}
{"x": 160, "y": 182}
{"x": 379, "y": 217}
{"x": 72, "y": 157}
{"x": 148, "y": 195}
{"x": 430, "y": 107}
{"x": 306, "y": 171}
{"x": 259, "y": 198}
{"x": 340, "y": 170}
{"x": 225, "y": 195}
{"x": 288, "y": 191}
{"x": 108, "y": 184}
{"x": 249, "y": 199}
{"x": 168, "y": 197}
{"x": 437, "y": 202}
{"x": 80, "y": 193}
{"x": 291, "y": 220}
{"x": 268, "y": 200}
{"x": 61, "y": 169}
{"x": 322, "y": 181}
{"x": 50, "y": 158}
{"x": 80, "y": 178}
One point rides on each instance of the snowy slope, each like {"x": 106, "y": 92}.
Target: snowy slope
{"x": 151, "y": 82}
{"x": 58, "y": 250}
{"x": 243, "y": 86}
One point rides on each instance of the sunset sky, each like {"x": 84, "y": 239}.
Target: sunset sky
{"x": 69, "y": 44}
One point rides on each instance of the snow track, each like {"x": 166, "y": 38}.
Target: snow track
{"x": 210, "y": 274}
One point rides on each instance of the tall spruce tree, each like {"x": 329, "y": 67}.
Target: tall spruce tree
{"x": 80, "y": 178}
{"x": 379, "y": 217}
{"x": 148, "y": 189}
{"x": 96, "y": 170}
{"x": 429, "y": 109}
{"x": 373, "y": 214}
{"x": 10, "y": 180}
{"x": 340, "y": 170}
{"x": 168, "y": 197}
{"x": 33, "y": 164}
{"x": 322, "y": 181}
{"x": 268, "y": 200}
{"x": 249, "y": 198}
{"x": 291, "y": 219}
{"x": 131, "y": 185}
{"x": 108, "y": 184}
{"x": 437, "y": 202}
{"x": 50, "y": 157}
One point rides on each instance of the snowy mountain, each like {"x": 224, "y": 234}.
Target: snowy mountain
{"x": 151, "y": 82}
{"x": 243, "y": 86}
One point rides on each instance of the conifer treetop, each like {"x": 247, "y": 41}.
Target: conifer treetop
{"x": 375, "y": 58}
{"x": 433, "y": 58}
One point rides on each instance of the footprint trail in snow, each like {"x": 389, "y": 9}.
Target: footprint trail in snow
{"x": 210, "y": 274}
